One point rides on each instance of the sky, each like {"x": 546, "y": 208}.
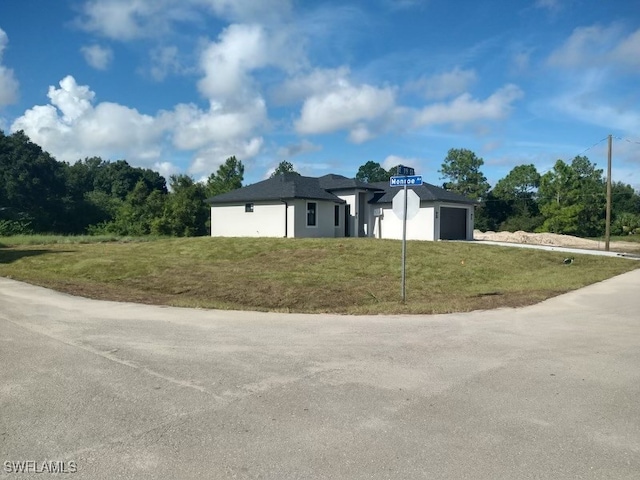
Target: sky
{"x": 180, "y": 85}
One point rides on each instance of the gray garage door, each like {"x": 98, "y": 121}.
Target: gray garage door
{"x": 453, "y": 223}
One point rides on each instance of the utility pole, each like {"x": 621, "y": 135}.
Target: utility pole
{"x": 607, "y": 228}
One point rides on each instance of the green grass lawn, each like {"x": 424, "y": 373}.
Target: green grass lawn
{"x": 355, "y": 276}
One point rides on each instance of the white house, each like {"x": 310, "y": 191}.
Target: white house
{"x": 443, "y": 215}
{"x": 291, "y": 205}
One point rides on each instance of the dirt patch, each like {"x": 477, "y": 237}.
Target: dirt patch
{"x": 553, "y": 239}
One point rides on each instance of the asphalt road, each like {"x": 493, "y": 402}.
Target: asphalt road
{"x": 114, "y": 390}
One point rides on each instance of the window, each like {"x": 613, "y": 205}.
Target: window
{"x": 248, "y": 207}
{"x": 336, "y": 216}
{"x": 311, "y": 214}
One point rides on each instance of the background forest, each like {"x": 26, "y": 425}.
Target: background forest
{"x": 39, "y": 194}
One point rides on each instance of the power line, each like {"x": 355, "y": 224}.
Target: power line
{"x": 567, "y": 160}
{"x": 593, "y": 146}
{"x": 627, "y": 140}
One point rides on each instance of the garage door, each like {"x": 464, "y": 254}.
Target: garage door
{"x": 453, "y": 223}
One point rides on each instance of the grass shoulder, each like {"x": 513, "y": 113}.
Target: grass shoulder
{"x": 351, "y": 276}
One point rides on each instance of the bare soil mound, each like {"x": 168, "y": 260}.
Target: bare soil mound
{"x": 553, "y": 239}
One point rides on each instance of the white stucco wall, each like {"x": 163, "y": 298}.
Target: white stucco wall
{"x": 266, "y": 220}
{"x": 420, "y": 227}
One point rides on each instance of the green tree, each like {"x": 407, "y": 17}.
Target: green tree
{"x": 372, "y": 172}
{"x": 626, "y": 224}
{"x": 228, "y": 177}
{"x": 139, "y": 212}
{"x": 461, "y": 168}
{"x": 284, "y": 167}
{"x": 186, "y": 212}
{"x": 118, "y": 178}
{"x": 515, "y": 196}
{"x": 32, "y": 186}
{"x": 572, "y": 198}
{"x": 624, "y": 199}
{"x": 521, "y": 183}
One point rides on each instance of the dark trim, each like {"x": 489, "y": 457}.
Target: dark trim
{"x": 286, "y": 218}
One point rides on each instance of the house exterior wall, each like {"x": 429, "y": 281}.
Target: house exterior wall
{"x": 424, "y": 226}
{"x": 266, "y": 220}
{"x": 420, "y": 227}
{"x": 324, "y": 219}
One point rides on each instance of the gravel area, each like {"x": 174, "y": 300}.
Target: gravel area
{"x": 553, "y": 239}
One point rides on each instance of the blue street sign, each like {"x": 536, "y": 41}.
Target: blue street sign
{"x": 412, "y": 180}
{"x": 404, "y": 171}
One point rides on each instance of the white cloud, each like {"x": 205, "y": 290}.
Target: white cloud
{"x": 227, "y": 63}
{"x": 71, "y": 99}
{"x": 465, "y": 109}
{"x": 126, "y": 20}
{"x": 241, "y": 50}
{"x": 119, "y": 19}
{"x": 166, "y": 169}
{"x": 70, "y": 127}
{"x": 207, "y": 160}
{"x": 194, "y": 128}
{"x": 361, "y": 133}
{"x": 589, "y": 108}
{"x": 345, "y": 107}
{"x": 446, "y": 84}
{"x": 597, "y": 46}
{"x": 317, "y": 82}
{"x": 628, "y": 50}
{"x": 97, "y": 57}
{"x": 165, "y": 60}
{"x": 247, "y": 10}
{"x": 8, "y": 84}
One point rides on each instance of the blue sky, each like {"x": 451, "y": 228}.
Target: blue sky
{"x": 180, "y": 85}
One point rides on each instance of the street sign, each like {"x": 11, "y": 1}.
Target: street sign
{"x": 413, "y": 204}
{"x": 411, "y": 180}
{"x": 404, "y": 171}
{"x": 406, "y": 205}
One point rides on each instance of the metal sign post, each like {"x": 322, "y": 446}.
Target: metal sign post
{"x": 405, "y": 178}
{"x": 404, "y": 247}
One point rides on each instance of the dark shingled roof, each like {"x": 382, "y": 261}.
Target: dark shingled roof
{"x": 426, "y": 192}
{"x": 338, "y": 182}
{"x": 281, "y": 187}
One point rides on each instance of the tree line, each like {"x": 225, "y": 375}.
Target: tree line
{"x": 39, "y": 194}
{"x": 570, "y": 198}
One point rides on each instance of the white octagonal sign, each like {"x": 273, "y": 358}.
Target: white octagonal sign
{"x": 413, "y": 204}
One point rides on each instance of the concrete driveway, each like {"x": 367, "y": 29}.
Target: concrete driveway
{"x": 131, "y": 391}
